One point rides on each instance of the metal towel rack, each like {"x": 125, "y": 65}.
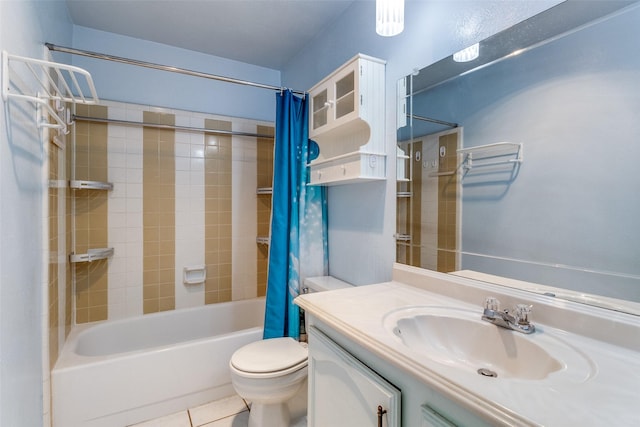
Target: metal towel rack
{"x": 57, "y": 84}
{"x": 507, "y": 153}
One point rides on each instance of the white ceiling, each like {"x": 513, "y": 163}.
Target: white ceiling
{"x": 261, "y": 32}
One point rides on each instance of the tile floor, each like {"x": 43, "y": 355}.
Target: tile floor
{"x": 232, "y": 411}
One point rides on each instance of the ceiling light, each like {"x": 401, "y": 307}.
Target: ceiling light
{"x": 468, "y": 54}
{"x": 389, "y": 17}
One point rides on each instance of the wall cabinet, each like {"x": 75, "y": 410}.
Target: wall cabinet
{"x": 345, "y": 392}
{"x": 347, "y": 122}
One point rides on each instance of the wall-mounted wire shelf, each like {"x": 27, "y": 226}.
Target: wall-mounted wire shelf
{"x": 57, "y": 84}
{"x": 496, "y": 154}
{"x": 90, "y": 185}
{"x": 264, "y": 190}
{"x": 92, "y": 255}
{"x": 262, "y": 240}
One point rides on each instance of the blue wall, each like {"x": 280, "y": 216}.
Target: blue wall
{"x": 570, "y": 216}
{"x": 24, "y": 27}
{"x": 128, "y": 83}
{"x": 362, "y": 216}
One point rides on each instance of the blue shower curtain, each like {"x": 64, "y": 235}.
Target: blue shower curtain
{"x": 298, "y": 246}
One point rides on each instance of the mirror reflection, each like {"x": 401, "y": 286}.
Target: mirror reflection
{"x": 523, "y": 163}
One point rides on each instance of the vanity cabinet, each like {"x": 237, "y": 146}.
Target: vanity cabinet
{"x": 346, "y": 120}
{"x": 345, "y": 392}
{"x": 431, "y": 418}
{"x": 347, "y": 383}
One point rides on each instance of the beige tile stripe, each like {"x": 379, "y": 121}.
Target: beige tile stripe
{"x": 54, "y": 175}
{"x": 217, "y": 216}
{"x": 447, "y": 204}
{"x": 265, "y": 179}
{"x": 158, "y": 204}
{"x": 91, "y": 216}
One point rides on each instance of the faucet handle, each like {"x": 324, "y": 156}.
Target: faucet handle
{"x": 522, "y": 314}
{"x": 492, "y": 303}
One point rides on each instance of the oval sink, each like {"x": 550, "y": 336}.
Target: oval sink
{"x": 459, "y": 338}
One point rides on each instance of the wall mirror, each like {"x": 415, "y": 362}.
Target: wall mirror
{"x": 523, "y": 163}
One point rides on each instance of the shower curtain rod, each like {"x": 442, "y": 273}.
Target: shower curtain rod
{"x": 53, "y": 47}
{"x": 431, "y": 120}
{"x": 171, "y": 127}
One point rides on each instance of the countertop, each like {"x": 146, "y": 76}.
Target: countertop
{"x": 608, "y": 395}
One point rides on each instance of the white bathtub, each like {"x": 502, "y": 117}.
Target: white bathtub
{"x": 117, "y": 373}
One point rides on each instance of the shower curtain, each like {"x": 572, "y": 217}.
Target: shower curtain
{"x": 298, "y": 246}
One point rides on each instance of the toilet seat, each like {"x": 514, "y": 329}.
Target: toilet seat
{"x": 270, "y": 358}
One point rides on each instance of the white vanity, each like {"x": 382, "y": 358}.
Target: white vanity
{"x": 415, "y": 352}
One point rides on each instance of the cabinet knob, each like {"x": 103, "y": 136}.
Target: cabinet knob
{"x": 328, "y": 104}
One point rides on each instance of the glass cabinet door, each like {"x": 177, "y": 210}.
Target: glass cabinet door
{"x": 345, "y": 95}
{"x": 320, "y": 107}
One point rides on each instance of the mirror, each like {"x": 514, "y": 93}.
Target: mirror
{"x": 559, "y": 205}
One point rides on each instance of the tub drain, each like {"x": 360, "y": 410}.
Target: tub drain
{"x": 487, "y": 372}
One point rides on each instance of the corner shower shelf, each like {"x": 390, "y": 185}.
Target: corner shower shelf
{"x": 403, "y": 237}
{"x": 92, "y": 255}
{"x": 90, "y": 185}
{"x": 57, "y": 84}
{"x": 264, "y": 190}
{"x": 262, "y": 240}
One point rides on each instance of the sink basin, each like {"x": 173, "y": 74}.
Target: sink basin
{"x": 460, "y": 339}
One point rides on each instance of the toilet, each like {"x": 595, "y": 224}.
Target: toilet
{"x": 269, "y": 373}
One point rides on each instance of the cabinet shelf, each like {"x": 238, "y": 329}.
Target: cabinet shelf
{"x": 92, "y": 255}
{"x": 90, "y": 185}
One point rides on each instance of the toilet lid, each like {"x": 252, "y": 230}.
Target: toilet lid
{"x": 271, "y": 355}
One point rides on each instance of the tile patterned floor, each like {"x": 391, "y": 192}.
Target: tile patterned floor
{"x": 229, "y": 412}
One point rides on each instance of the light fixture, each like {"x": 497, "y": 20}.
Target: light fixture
{"x": 389, "y": 17}
{"x": 468, "y": 54}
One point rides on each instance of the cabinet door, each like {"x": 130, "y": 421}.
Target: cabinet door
{"x": 335, "y": 101}
{"x": 345, "y": 92}
{"x": 343, "y": 392}
{"x": 320, "y": 109}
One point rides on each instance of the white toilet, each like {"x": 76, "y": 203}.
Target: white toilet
{"x": 270, "y": 372}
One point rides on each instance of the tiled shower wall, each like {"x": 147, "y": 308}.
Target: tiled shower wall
{"x": 180, "y": 199}
{"x": 59, "y": 290}
{"x": 264, "y": 180}
{"x": 430, "y": 214}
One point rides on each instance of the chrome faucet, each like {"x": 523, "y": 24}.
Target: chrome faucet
{"x": 518, "y": 321}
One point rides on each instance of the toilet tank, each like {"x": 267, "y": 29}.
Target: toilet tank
{"x": 323, "y": 283}
{"x": 318, "y": 284}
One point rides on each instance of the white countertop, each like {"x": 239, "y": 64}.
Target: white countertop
{"x": 610, "y": 395}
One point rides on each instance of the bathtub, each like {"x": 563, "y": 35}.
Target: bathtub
{"x": 116, "y": 373}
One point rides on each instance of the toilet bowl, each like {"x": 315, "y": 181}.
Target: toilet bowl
{"x": 270, "y": 372}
